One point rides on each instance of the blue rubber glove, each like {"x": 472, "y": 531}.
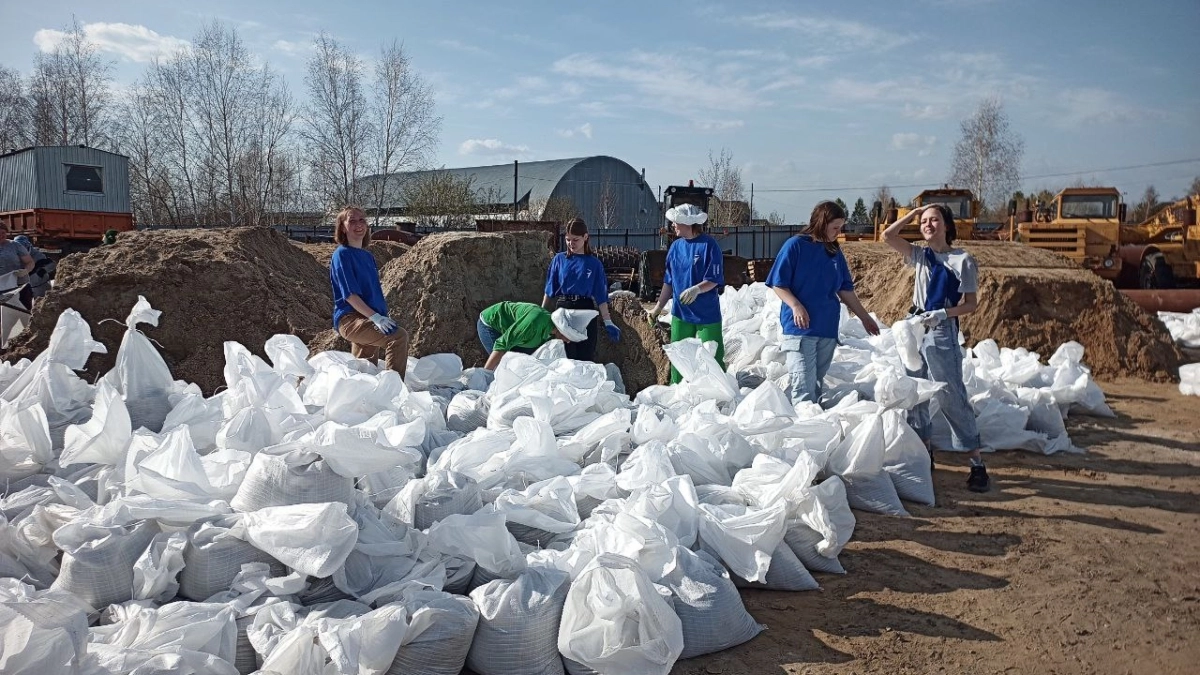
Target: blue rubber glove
{"x": 931, "y": 319}
{"x": 383, "y": 324}
{"x": 614, "y": 333}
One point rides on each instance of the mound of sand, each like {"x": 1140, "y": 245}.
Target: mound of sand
{"x": 639, "y": 355}
{"x": 242, "y": 284}
{"x": 437, "y": 290}
{"x": 384, "y": 251}
{"x": 1034, "y": 299}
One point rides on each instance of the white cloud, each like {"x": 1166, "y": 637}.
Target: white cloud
{"x": 718, "y": 125}
{"x": 910, "y": 141}
{"x": 292, "y": 47}
{"x": 836, "y": 33}
{"x": 129, "y": 41}
{"x": 667, "y": 81}
{"x": 491, "y": 147}
{"x": 584, "y": 130}
{"x": 1091, "y": 105}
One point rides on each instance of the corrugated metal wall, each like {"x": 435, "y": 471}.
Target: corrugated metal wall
{"x": 18, "y": 184}
{"x": 52, "y": 179}
{"x": 634, "y": 201}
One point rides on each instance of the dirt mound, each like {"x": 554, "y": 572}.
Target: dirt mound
{"x": 243, "y": 284}
{"x": 639, "y": 355}
{"x": 1033, "y": 299}
{"x": 384, "y": 251}
{"x": 437, "y": 290}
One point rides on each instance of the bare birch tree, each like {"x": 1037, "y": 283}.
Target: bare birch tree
{"x": 607, "y": 208}
{"x": 336, "y": 126}
{"x": 729, "y": 209}
{"x": 70, "y": 90}
{"x": 403, "y": 129}
{"x": 14, "y": 111}
{"x": 987, "y": 157}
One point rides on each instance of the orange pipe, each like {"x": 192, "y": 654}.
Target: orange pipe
{"x": 1173, "y": 300}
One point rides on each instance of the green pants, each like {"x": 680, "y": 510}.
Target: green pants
{"x": 706, "y": 332}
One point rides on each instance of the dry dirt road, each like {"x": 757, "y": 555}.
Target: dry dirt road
{"x": 1072, "y": 564}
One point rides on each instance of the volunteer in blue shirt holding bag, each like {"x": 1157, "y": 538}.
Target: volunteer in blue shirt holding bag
{"x": 811, "y": 277}
{"x": 576, "y": 280}
{"x": 694, "y": 270}
{"x": 360, "y": 312}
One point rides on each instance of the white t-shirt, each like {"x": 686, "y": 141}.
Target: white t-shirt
{"x": 960, "y": 263}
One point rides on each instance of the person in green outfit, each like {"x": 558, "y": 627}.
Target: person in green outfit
{"x": 694, "y": 270}
{"x": 523, "y": 327}
{"x": 110, "y": 237}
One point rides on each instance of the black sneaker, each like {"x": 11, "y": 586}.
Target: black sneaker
{"x": 978, "y": 481}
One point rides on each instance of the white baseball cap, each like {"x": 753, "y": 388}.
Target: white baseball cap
{"x": 573, "y": 323}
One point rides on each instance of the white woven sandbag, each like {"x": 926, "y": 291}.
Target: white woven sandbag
{"x": 293, "y": 477}
{"x": 710, "y": 609}
{"x": 468, "y": 411}
{"x": 541, "y": 511}
{"x": 208, "y": 628}
{"x": 480, "y": 537}
{"x": 824, "y": 525}
{"x": 441, "y": 628}
{"x": 313, "y": 539}
{"x": 25, "y": 447}
{"x": 214, "y": 557}
{"x": 743, "y": 537}
{"x": 140, "y": 375}
{"x": 519, "y": 624}
{"x": 98, "y": 559}
{"x": 424, "y": 501}
{"x": 43, "y": 631}
{"x": 906, "y": 460}
{"x": 615, "y": 622}
{"x": 594, "y": 484}
{"x": 156, "y": 571}
{"x": 786, "y": 573}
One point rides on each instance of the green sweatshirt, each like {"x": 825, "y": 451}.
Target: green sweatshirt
{"x": 520, "y": 324}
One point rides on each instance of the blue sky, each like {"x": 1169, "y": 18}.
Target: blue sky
{"x": 805, "y": 95}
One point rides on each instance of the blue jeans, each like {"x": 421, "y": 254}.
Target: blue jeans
{"x": 487, "y": 335}
{"x": 808, "y": 360}
{"x": 943, "y": 363}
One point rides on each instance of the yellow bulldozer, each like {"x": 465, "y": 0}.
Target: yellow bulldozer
{"x": 1163, "y": 251}
{"x": 962, "y": 204}
{"x": 1083, "y": 224}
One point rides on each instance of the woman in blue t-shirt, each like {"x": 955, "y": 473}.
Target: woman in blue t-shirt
{"x": 811, "y": 277}
{"x": 576, "y": 280}
{"x": 694, "y": 270}
{"x": 360, "y": 312}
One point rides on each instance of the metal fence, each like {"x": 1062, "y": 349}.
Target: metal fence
{"x": 747, "y": 242}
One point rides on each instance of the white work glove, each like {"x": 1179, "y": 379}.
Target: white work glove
{"x": 652, "y": 316}
{"x": 689, "y": 295}
{"x": 383, "y": 324}
{"x": 931, "y": 319}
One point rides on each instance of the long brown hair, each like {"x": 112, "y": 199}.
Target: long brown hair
{"x": 339, "y": 228}
{"x": 578, "y": 228}
{"x": 822, "y": 215}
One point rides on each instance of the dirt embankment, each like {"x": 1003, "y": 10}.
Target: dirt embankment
{"x": 384, "y": 251}
{"x": 243, "y": 284}
{"x": 639, "y": 355}
{"x": 1034, "y": 299}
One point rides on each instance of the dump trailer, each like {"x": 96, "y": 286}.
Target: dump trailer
{"x": 64, "y": 198}
{"x": 1164, "y": 250}
{"x": 1083, "y": 224}
{"x": 962, "y": 203}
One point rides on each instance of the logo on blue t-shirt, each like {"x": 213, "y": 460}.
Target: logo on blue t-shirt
{"x": 696, "y": 259}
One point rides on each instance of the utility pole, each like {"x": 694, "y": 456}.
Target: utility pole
{"x": 514, "y": 190}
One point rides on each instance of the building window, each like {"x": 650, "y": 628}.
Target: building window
{"x": 84, "y": 179}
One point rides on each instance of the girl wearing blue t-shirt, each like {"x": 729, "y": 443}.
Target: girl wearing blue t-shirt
{"x": 694, "y": 270}
{"x": 360, "y": 312}
{"x": 811, "y": 277}
{"x": 576, "y": 280}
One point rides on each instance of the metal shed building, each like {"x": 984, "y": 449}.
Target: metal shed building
{"x": 64, "y": 177}
{"x": 584, "y": 181}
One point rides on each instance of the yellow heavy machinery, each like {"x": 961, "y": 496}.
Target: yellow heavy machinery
{"x": 1164, "y": 250}
{"x": 962, "y": 204}
{"x": 1083, "y": 224}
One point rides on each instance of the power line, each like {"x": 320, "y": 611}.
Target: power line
{"x": 1023, "y": 178}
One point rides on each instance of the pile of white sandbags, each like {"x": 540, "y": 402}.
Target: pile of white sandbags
{"x": 1183, "y": 326}
{"x": 323, "y": 516}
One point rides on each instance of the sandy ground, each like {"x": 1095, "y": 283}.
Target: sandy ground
{"x": 1072, "y": 564}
